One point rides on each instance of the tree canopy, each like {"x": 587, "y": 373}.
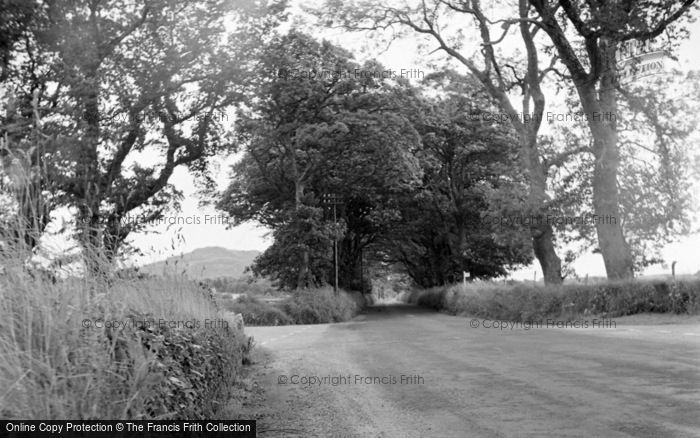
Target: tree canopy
{"x": 412, "y": 175}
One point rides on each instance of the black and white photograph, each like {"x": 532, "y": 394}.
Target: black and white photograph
{"x": 361, "y": 218}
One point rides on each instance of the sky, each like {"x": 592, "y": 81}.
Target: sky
{"x": 208, "y": 228}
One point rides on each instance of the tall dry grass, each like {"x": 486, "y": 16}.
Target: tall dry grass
{"x": 91, "y": 346}
{"x": 94, "y": 347}
{"x": 67, "y": 352}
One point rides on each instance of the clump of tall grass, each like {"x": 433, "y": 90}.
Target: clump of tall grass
{"x": 98, "y": 346}
{"x": 83, "y": 348}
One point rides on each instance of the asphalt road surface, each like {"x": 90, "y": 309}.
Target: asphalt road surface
{"x": 400, "y": 371}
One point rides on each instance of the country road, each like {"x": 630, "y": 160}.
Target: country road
{"x": 401, "y": 371}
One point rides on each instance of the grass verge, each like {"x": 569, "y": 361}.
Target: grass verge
{"x": 526, "y": 302}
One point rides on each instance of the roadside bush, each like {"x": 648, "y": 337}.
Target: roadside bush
{"x": 309, "y": 306}
{"x": 317, "y": 306}
{"x": 529, "y": 302}
{"x": 619, "y": 299}
{"x": 431, "y": 298}
{"x": 257, "y": 312}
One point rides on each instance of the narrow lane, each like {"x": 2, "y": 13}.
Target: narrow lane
{"x": 400, "y": 371}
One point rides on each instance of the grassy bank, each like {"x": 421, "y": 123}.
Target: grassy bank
{"x": 128, "y": 349}
{"x": 310, "y": 306}
{"x": 528, "y": 302}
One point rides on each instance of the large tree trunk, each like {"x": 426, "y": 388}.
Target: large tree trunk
{"x": 351, "y": 270}
{"x": 617, "y": 255}
{"x": 349, "y": 264}
{"x": 543, "y": 245}
{"x": 541, "y": 230}
{"x": 89, "y": 177}
{"x": 303, "y": 277}
{"x": 596, "y": 87}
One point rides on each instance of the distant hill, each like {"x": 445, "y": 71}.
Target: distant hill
{"x": 210, "y": 262}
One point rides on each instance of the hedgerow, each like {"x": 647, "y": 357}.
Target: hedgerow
{"x": 528, "y": 302}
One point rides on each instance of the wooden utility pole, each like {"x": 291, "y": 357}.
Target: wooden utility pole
{"x": 335, "y": 251}
{"x": 362, "y": 274}
{"x": 331, "y": 199}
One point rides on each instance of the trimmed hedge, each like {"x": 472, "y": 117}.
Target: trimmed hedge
{"x": 191, "y": 370}
{"x": 527, "y": 302}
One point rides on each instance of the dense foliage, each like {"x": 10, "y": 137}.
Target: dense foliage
{"x": 450, "y": 223}
{"x": 94, "y": 87}
{"x": 410, "y": 175}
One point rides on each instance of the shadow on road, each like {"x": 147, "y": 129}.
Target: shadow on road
{"x": 393, "y": 310}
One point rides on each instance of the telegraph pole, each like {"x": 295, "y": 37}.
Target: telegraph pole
{"x": 362, "y": 274}
{"x": 335, "y": 250}
{"x": 334, "y": 200}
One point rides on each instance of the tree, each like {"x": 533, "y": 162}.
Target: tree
{"x": 450, "y": 223}
{"x": 301, "y": 245}
{"x": 316, "y": 127}
{"x": 27, "y": 185}
{"x": 654, "y": 128}
{"x": 16, "y": 16}
{"x": 23, "y": 178}
{"x": 590, "y": 59}
{"x": 379, "y": 166}
{"x": 113, "y": 81}
{"x": 497, "y": 73}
